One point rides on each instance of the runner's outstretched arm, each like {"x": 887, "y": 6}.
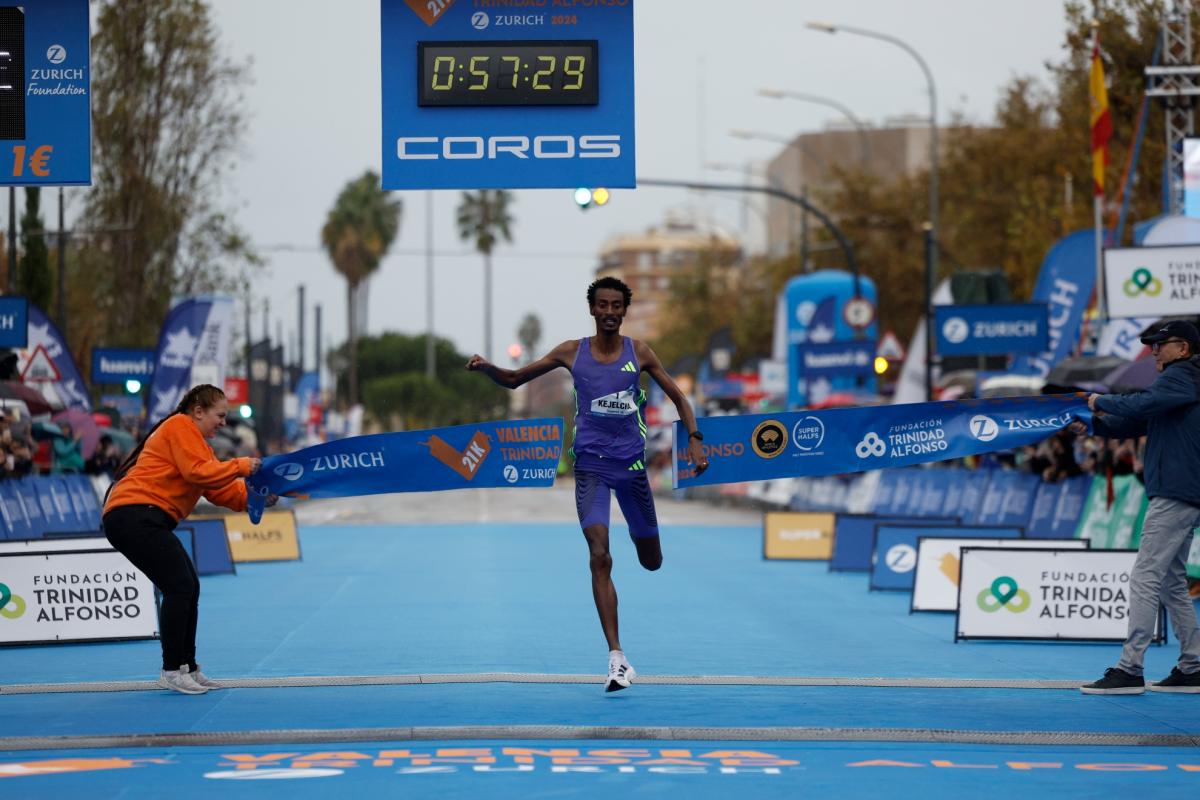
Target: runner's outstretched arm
{"x": 561, "y": 356}
{"x": 650, "y": 363}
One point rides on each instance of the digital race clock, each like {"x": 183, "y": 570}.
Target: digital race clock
{"x": 499, "y": 73}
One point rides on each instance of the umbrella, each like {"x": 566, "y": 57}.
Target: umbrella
{"x": 32, "y": 398}
{"x": 84, "y": 427}
{"x": 124, "y": 440}
{"x": 1084, "y": 369}
{"x": 47, "y": 430}
{"x": 1133, "y": 375}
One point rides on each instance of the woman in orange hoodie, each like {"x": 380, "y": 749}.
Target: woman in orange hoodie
{"x": 157, "y": 486}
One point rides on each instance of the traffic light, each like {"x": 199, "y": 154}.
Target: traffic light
{"x": 133, "y": 386}
{"x": 245, "y": 411}
{"x": 586, "y": 197}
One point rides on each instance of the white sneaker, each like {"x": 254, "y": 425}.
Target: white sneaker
{"x": 620, "y": 672}
{"x": 200, "y": 679}
{"x": 180, "y": 681}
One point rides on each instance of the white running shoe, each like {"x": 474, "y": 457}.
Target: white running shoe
{"x": 201, "y": 679}
{"x": 620, "y": 672}
{"x": 180, "y": 681}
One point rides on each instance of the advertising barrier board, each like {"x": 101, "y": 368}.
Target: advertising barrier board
{"x": 1058, "y": 595}
{"x": 117, "y": 365}
{"x": 935, "y": 587}
{"x": 187, "y": 537}
{"x": 14, "y": 321}
{"x": 274, "y": 538}
{"x": 212, "y": 555}
{"x": 73, "y": 596}
{"x": 1152, "y": 281}
{"x": 797, "y": 535}
{"x": 991, "y": 329}
{"x": 56, "y": 545}
{"x": 894, "y": 551}
{"x": 1057, "y": 508}
{"x": 854, "y": 536}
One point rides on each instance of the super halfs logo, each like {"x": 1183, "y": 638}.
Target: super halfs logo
{"x": 430, "y": 11}
{"x": 465, "y": 462}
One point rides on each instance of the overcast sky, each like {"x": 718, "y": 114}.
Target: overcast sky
{"x": 314, "y": 124}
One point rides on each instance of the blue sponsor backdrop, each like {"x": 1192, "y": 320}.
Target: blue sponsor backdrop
{"x": 568, "y": 159}
{"x": 894, "y": 557}
{"x": 14, "y": 321}
{"x": 843, "y": 440}
{"x": 57, "y": 147}
{"x": 115, "y": 365}
{"x": 996, "y": 329}
{"x": 811, "y": 312}
{"x": 484, "y": 455}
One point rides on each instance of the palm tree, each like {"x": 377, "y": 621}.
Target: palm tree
{"x": 484, "y": 217}
{"x": 359, "y": 230}
{"x": 529, "y": 333}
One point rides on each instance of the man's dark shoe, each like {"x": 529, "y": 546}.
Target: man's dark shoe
{"x": 1178, "y": 681}
{"x": 1115, "y": 681}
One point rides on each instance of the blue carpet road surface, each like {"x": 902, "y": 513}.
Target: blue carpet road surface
{"x": 410, "y": 600}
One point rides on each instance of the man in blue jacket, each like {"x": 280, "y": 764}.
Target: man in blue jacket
{"x": 1168, "y": 415}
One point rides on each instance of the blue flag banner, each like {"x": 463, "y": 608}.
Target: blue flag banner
{"x": 484, "y": 455}
{"x": 193, "y": 347}
{"x": 1065, "y": 285}
{"x": 47, "y": 361}
{"x": 757, "y": 447}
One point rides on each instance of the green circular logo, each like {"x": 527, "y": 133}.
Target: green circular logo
{"x": 7, "y": 598}
{"x": 1003, "y": 593}
{"x": 1142, "y": 282}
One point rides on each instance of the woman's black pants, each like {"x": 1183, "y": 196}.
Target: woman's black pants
{"x": 145, "y": 534}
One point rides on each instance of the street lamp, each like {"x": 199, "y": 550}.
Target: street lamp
{"x": 931, "y": 248}
{"x": 865, "y": 143}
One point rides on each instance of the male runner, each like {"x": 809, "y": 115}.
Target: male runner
{"x": 610, "y": 443}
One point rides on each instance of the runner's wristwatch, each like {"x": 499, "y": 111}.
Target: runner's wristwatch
{"x": 697, "y": 435}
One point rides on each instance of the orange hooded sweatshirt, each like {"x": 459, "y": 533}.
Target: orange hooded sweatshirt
{"x": 177, "y": 466}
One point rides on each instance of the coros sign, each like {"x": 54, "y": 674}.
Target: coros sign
{"x": 477, "y": 99}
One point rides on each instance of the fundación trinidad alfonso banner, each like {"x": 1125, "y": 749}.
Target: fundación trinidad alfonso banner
{"x": 193, "y": 347}
{"x": 1045, "y": 594}
{"x": 74, "y": 597}
{"x": 482, "y": 455}
{"x": 756, "y": 447}
{"x": 939, "y": 558}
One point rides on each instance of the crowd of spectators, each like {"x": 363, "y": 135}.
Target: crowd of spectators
{"x": 1065, "y": 455}
{"x": 24, "y": 453}
{"x": 16, "y": 446}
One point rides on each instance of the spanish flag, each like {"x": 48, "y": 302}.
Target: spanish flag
{"x": 1101, "y": 120}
